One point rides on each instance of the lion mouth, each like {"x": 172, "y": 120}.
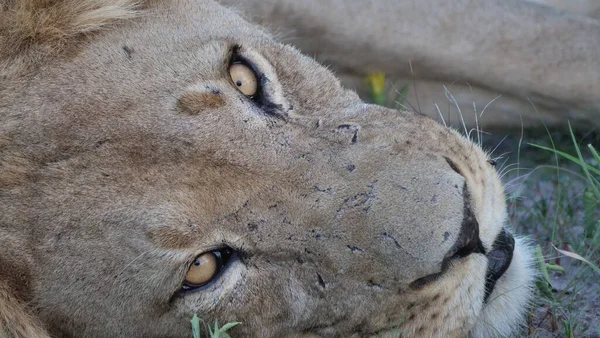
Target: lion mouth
{"x": 499, "y": 259}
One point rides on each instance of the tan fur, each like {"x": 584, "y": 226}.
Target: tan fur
{"x": 195, "y": 102}
{"x": 126, "y": 152}
{"x": 30, "y": 30}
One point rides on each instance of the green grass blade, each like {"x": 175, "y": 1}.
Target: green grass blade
{"x": 554, "y": 267}
{"x": 214, "y": 332}
{"x": 597, "y": 159}
{"x": 228, "y": 326}
{"x": 594, "y": 153}
{"x": 584, "y": 165}
{"x": 596, "y": 182}
{"x": 590, "y": 203}
{"x": 543, "y": 281}
{"x": 541, "y": 262}
{"x": 567, "y": 156}
{"x": 596, "y": 239}
{"x": 195, "y": 326}
{"x": 402, "y": 96}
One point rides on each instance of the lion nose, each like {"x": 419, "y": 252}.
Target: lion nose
{"x": 499, "y": 259}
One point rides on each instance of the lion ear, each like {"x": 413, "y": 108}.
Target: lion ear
{"x": 34, "y": 28}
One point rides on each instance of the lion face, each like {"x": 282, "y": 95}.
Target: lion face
{"x": 186, "y": 163}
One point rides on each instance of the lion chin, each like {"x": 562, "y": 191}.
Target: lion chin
{"x": 167, "y": 158}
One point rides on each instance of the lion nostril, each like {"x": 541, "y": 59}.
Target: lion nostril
{"x": 468, "y": 240}
{"x": 499, "y": 259}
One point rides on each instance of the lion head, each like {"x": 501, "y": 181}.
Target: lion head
{"x": 169, "y": 159}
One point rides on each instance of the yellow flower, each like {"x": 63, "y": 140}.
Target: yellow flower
{"x": 376, "y": 84}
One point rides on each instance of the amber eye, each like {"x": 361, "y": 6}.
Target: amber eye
{"x": 202, "y": 270}
{"x": 244, "y": 78}
{"x": 205, "y": 268}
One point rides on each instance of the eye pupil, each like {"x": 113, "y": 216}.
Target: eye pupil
{"x": 238, "y": 83}
{"x": 197, "y": 262}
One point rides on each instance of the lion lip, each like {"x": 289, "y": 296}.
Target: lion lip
{"x": 499, "y": 259}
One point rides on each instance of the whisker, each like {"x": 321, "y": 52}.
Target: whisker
{"x": 479, "y": 131}
{"x": 517, "y": 169}
{"x": 451, "y": 98}
{"x": 504, "y": 170}
{"x": 487, "y": 105}
{"x": 503, "y": 164}
{"x": 496, "y": 147}
{"x": 440, "y": 113}
{"x": 477, "y": 126}
{"x": 518, "y": 178}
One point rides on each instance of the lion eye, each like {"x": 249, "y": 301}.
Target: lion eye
{"x": 202, "y": 270}
{"x": 244, "y": 78}
{"x": 205, "y": 268}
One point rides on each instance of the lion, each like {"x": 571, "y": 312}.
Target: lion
{"x": 165, "y": 159}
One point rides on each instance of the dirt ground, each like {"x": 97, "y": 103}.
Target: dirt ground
{"x": 582, "y": 296}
